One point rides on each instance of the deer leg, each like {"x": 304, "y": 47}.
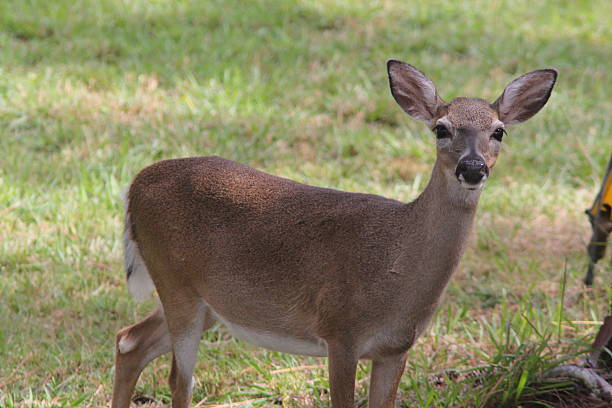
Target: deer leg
{"x": 342, "y": 370}
{"x": 384, "y": 380}
{"x": 596, "y": 250}
{"x": 209, "y": 322}
{"x": 186, "y": 320}
{"x": 136, "y": 346}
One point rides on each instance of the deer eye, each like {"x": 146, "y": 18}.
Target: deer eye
{"x": 498, "y": 134}
{"x": 441, "y": 132}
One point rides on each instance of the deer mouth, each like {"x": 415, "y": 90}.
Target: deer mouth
{"x": 472, "y": 184}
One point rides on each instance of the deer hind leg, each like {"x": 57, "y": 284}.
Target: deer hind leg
{"x": 209, "y": 322}
{"x": 136, "y": 346}
{"x": 385, "y": 378}
{"x": 186, "y": 321}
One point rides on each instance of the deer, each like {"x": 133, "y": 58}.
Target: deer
{"x": 309, "y": 270}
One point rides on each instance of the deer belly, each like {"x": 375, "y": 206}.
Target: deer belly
{"x": 278, "y": 342}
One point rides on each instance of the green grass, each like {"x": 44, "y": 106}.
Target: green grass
{"x": 92, "y": 91}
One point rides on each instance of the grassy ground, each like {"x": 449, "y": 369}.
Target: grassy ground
{"x": 92, "y": 91}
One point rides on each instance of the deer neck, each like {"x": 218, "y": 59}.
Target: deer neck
{"x": 444, "y": 195}
{"x": 438, "y": 225}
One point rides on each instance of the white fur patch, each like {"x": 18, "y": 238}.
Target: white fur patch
{"x": 277, "y": 342}
{"x": 461, "y": 192}
{"x": 126, "y": 344}
{"x": 139, "y": 282}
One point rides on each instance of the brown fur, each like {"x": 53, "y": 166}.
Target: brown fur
{"x": 359, "y": 273}
{"x": 474, "y": 112}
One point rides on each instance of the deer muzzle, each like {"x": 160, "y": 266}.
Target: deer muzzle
{"x": 472, "y": 172}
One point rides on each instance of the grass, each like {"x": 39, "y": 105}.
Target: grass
{"x": 92, "y": 91}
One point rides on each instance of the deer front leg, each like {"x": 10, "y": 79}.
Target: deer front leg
{"x": 384, "y": 380}
{"x": 342, "y": 369}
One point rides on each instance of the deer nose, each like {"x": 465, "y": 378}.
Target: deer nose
{"x": 473, "y": 169}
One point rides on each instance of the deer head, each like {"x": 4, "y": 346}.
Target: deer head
{"x": 469, "y": 131}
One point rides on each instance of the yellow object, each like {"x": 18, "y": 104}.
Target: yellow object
{"x": 607, "y": 194}
{"x": 604, "y": 198}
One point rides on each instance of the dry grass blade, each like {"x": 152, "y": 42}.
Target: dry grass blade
{"x": 231, "y": 404}
{"x": 297, "y": 368}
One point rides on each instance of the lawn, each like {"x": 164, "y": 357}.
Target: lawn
{"x": 91, "y": 91}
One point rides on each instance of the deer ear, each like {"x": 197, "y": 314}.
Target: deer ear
{"x": 413, "y": 91}
{"x": 525, "y": 96}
